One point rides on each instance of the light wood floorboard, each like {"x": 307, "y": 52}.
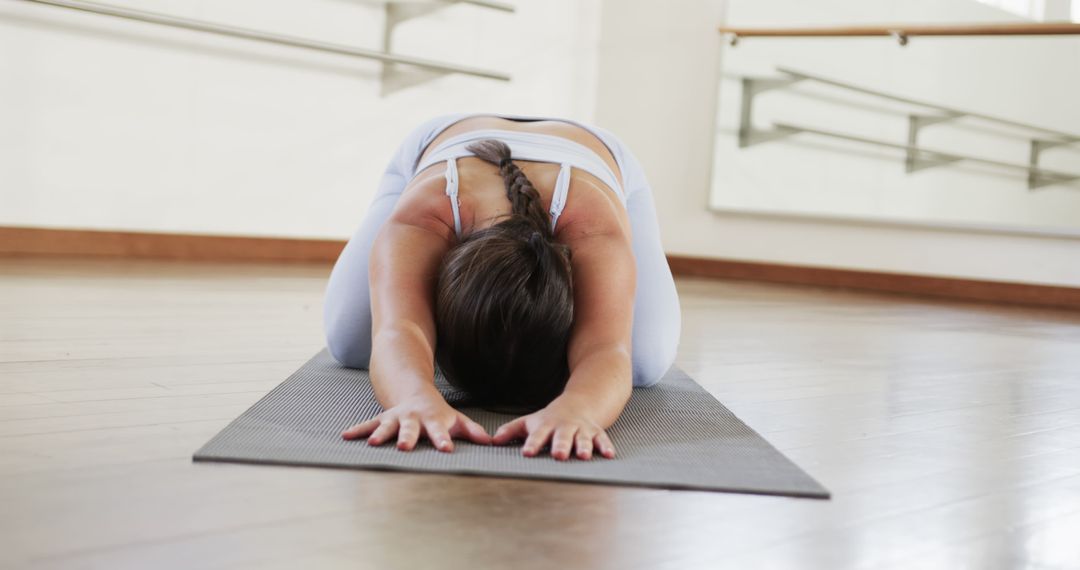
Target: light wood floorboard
{"x": 949, "y": 434}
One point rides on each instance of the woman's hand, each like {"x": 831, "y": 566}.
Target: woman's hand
{"x": 566, "y": 424}
{"x": 420, "y": 416}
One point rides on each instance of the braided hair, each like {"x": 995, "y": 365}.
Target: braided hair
{"x": 504, "y": 301}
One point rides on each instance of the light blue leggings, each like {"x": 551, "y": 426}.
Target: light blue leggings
{"x": 657, "y": 318}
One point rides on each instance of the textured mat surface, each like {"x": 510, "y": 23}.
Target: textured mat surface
{"x": 674, "y": 435}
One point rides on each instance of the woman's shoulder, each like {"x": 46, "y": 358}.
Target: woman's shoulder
{"x": 423, "y": 203}
{"x": 592, "y": 209}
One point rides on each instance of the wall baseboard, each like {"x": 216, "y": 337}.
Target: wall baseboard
{"x": 899, "y": 283}
{"x": 39, "y": 242}
{"x": 16, "y": 241}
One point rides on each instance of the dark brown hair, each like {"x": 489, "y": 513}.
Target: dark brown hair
{"x": 504, "y": 301}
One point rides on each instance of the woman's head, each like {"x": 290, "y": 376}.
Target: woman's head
{"x": 504, "y": 302}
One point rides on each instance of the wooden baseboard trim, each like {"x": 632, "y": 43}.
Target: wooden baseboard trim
{"x": 920, "y": 285}
{"x": 15, "y": 241}
{"x": 37, "y": 242}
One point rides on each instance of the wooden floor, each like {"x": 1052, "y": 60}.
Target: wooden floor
{"x": 949, "y": 435}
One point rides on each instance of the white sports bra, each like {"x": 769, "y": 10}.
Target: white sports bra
{"x": 538, "y": 147}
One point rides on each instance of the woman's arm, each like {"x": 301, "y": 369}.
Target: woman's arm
{"x": 601, "y": 376}
{"x": 404, "y": 261}
{"x": 599, "y": 350}
{"x": 403, "y": 271}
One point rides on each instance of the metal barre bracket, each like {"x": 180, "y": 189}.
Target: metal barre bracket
{"x": 395, "y": 77}
{"x": 915, "y": 159}
{"x": 752, "y": 86}
{"x": 1036, "y": 177}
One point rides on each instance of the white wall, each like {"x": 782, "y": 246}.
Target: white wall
{"x": 112, "y": 124}
{"x": 121, "y": 125}
{"x": 657, "y": 88}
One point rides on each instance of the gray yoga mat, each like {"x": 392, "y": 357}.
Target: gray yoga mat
{"x": 673, "y": 435}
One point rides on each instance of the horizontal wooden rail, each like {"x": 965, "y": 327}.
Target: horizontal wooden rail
{"x": 909, "y": 30}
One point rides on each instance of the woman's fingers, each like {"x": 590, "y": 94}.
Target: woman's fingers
{"x": 470, "y": 430}
{"x": 510, "y": 431}
{"x": 584, "y": 445}
{"x": 361, "y": 429}
{"x": 384, "y": 432}
{"x": 536, "y": 440}
{"x": 562, "y": 442}
{"x": 408, "y": 433}
{"x": 408, "y": 429}
{"x": 438, "y": 435}
{"x": 604, "y": 446}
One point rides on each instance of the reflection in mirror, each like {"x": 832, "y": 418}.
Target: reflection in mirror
{"x": 972, "y": 132}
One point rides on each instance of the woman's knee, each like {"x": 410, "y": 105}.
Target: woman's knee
{"x": 351, "y": 348}
{"x": 652, "y": 361}
{"x": 649, "y": 372}
{"x": 657, "y": 324}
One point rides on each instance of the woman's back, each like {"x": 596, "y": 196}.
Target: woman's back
{"x": 590, "y": 202}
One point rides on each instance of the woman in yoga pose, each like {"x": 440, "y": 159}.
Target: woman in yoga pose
{"x": 522, "y": 254}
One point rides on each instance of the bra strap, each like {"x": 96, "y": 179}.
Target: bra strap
{"x": 558, "y": 198}
{"x": 452, "y": 192}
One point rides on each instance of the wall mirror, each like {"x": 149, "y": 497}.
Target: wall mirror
{"x": 959, "y": 132}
